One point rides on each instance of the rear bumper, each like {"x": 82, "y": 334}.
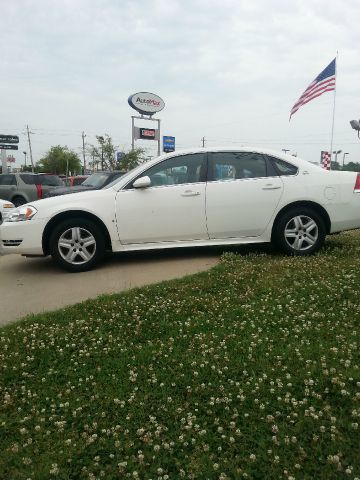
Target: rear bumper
{"x": 345, "y": 216}
{"x": 21, "y": 237}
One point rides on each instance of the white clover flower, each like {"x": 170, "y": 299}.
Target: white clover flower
{"x": 54, "y": 469}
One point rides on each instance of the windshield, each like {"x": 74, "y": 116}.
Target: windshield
{"x": 96, "y": 180}
{"x": 117, "y": 178}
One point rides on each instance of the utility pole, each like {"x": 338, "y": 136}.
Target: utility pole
{"x": 203, "y": 142}
{"x": 101, "y": 141}
{"x": 31, "y": 157}
{"x": 83, "y": 142}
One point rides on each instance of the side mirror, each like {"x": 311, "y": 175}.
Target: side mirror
{"x": 142, "y": 182}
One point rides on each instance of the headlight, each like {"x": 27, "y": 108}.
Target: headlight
{"x": 21, "y": 214}
{"x": 8, "y": 205}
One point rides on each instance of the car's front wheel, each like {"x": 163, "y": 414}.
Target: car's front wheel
{"x": 77, "y": 244}
{"x": 300, "y": 231}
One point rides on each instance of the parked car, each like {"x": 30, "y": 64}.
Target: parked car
{"x": 205, "y": 197}
{"x": 95, "y": 181}
{"x": 20, "y": 188}
{"x": 75, "y": 180}
{"x": 6, "y": 208}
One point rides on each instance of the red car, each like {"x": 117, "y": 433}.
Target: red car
{"x": 76, "y": 180}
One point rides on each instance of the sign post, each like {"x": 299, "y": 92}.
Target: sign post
{"x": 4, "y": 141}
{"x": 147, "y": 104}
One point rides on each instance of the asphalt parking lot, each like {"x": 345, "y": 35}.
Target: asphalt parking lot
{"x": 33, "y": 285}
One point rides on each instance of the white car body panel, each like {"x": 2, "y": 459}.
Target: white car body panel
{"x": 156, "y": 214}
{"x": 249, "y": 204}
{"x": 208, "y": 214}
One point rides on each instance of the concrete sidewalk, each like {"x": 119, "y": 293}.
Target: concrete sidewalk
{"x": 33, "y": 285}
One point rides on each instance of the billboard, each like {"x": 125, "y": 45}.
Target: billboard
{"x": 146, "y": 103}
{"x": 168, "y": 144}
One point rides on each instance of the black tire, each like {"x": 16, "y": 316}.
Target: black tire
{"x": 18, "y": 201}
{"x": 299, "y": 231}
{"x": 82, "y": 245}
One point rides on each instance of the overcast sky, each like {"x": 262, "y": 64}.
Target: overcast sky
{"x": 228, "y": 70}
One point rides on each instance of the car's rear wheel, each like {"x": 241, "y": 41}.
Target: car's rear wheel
{"x": 77, "y": 244}
{"x": 300, "y": 231}
{"x": 18, "y": 201}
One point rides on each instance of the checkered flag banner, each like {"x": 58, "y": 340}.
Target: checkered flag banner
{"x": 325, "y": 160}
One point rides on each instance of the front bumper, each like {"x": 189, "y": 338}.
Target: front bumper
{"x": 22, "y": 237}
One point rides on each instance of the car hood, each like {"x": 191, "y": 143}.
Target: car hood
{"x": 84, "y": 200}
{"x": 66, "y": 190}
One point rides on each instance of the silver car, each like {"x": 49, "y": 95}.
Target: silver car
{"x": 20, "y": 188}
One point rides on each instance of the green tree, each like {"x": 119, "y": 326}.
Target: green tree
{"x": 352, "y": 167}
{"x": 335, "y": 166}
{"x": 60, "y": 160}
{"x": 131, "y": 159}
{"x": 104, "y": 155}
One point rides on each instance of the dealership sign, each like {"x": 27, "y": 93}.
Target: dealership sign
{"x": 146, "y": 103}
{"x": 9, "y": 139}
{"x": 168, "y": 144}
{"x": 8, "y": 147}
{"x": 147, "y": 133}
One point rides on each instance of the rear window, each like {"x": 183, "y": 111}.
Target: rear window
{"x": 28, "y": 179}
{"x": 50, "y": 180}
{"x": 283, "y": 168}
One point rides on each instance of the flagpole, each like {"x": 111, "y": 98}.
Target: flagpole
{"x": 333, "y": 118}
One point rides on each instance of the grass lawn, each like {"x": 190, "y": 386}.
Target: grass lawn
{"x": 250, "y": 370}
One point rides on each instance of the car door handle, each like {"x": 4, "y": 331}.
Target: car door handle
{"x": 271, "y": 187}
{"x": 190, "y": 193}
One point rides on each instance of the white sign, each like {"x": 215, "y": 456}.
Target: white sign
{"x": 146, "y": 103}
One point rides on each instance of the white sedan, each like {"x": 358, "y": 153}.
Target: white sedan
{"x": 190, "y": 198}
{"x": 6, "y": 208}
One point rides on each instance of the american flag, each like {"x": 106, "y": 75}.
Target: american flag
{"x": 325, "y": 160}
{"x": 324, "y": 82}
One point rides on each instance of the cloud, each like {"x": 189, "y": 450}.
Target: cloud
{"x": 72, "y": 64}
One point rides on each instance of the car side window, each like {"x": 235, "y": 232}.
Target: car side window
{"x": 237, "y": 165}
{"x": 283, "y": 168}
{"x": 28, "y": 179}
{"x": 177, "y": 170}
{"x": 7, "y": 179}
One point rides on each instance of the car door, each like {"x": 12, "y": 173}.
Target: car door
{"x": 7, "y": 186}
{"x": 242, "y": 194}
{"x": 171, "y": 209}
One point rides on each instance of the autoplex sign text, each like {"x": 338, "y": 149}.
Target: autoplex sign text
{"x": 146, "y": 103}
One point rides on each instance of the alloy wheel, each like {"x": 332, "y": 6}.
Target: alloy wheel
{"x": 301, "y": 233}
{"x": 77, "y": 245}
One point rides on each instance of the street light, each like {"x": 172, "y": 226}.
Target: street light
{"x": 356, "y": 126}
{"x": 25, "y": 153}
{"x": 345, "y": 153}
{"x": 336, "y": 154}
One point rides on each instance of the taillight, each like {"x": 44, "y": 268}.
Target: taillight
{"x": 39, "y": 191}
